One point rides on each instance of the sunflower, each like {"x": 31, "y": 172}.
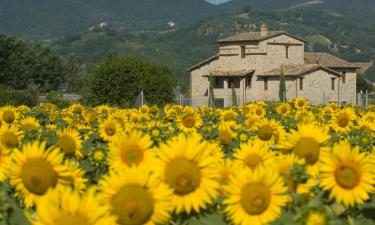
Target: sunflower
{"x": 5, "y": 162}
{"x": 8, "y": 114}
{"x": 186, "y": 166}
{"x": 309, "y": 142}
{"x": 108, "y": 129}
{"x": 269, "y": 131}
{"x": 342, "y": 121}
{"x": 76, "y": 108}
{"x": 90, "y": 116}
{"x": 136, "y": 197}
{"x": 348, "y": 175}
{"x": 258, "y": 110}
{"x": 70, "y": 143}
{"x": 226, "y": 135}
{"x": 301, "y": 103}
{"x": 304, "y": 116}
{"x": 228, "y": 115}
{"x": 35, "y": 170}
{"x": 255, "y": 197}
{"x": 144, "y": 109}
{"x": 369, "y": 117}
{"x": 253, "y": 155}
{"x": 250, "y": 122}
{"x": 69, "y": 207}
{"x": 75, "y": 176}
{"x": 285, "y": 164}
{"x": 130, "y": 150}
{"x": 10, "y": 137}
{"x": 189, "y": 121}
{"x": 366, "y": 127}
{"x": 327, "y": 111}
{"x": 316, "y": 218}
{"x": 29, "y": 123}
{"x": 284, "y": 109}
{"x": 227, "y": 168}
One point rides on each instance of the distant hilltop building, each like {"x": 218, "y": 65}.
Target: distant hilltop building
{"x": 171, "y": 24}
{"x": 253, "y": 62}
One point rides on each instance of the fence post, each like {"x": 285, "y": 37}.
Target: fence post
{"x": 366, "y": 99}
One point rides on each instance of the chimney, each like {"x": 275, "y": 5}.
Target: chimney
{"x": 263, "y": 30}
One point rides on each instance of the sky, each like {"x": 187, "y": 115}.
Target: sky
{"x": 217, "y": 1}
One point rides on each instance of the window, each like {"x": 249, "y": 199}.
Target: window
{"x": 243, "y": 51}
{"x": 301, "y": 83}
{"x": 219, "y": 103}
{"x": 333, "y": 83}
{"x": 248, "y": 82}
{"x": 218, "y": 82}
{"x": 266, "y": 83}
{"x": 287, "y": 52}
{"x": 234, "y": 81}
{"x": 344, "y": 77}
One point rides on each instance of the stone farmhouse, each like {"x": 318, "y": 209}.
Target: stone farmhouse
{"x": 253, "y": 62}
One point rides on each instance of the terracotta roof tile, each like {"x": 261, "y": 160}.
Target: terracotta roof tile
{"x": 230, "y": 73}
{"x": 298, "y": 70}
{"x": 255, "y": 36}
{"x": 327, "y": 60}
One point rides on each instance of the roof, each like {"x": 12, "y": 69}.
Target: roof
{"x": 204, "y": 62}
{"x": 298, "y": 70}
{"x": 230, "y": 73}
{"x": 255, "y": 36}
{"x": 327, "y": 60}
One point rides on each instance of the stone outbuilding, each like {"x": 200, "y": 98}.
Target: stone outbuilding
{"x": 253, "y": 62}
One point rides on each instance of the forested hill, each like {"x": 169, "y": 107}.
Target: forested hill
{"x": 49, "y": 19}
{"x": 38, "y": 19}
{"x": 361, "y": 8}
{"x": 345, "y": 36}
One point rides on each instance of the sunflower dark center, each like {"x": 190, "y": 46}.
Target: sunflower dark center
{"x": 255, "y": 198}
{"x": 110, "y": 130}
{"x": 9, "y": 116}
{"x": 188, "y": 121}
{"x": 265, "y": 133}
{"x": 38, "y": 176}
{"x": 67, "y": 144}
{"x": 229, "y": 117}
{"x": 343, "y": 120}
{"x": 133, "y": 206}
{"x": 132, "y": 155}
{"x": 183, "y": 175}
{"x": 347, "y": 177}
{"x": 253, "y": 161}
{"x": 68, "y": 219}
{"x": 9, "y": 139}
{"x": 308, "y": 149}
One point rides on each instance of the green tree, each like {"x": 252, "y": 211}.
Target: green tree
{"x": 282, "y": 88}
{"x": 21, "y": 65}
{"x": 211, "y": 100}
{"x": 158, "y": 84}
{"x": 234, "y": 95}
{"x": 363, "y": 84}
{"x": 118, "y": 81}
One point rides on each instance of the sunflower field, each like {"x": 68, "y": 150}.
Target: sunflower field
{"x": 262, "y": 163}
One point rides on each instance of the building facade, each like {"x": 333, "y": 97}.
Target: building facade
{"x": 252, "y": 62}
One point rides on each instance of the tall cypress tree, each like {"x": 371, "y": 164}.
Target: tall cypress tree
{"x": 211, "y": 92}
{"x": 282, "y": 88}
{"x": 234, "y": 95}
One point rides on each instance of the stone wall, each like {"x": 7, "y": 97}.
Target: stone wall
{"x": 265, "y": 56}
